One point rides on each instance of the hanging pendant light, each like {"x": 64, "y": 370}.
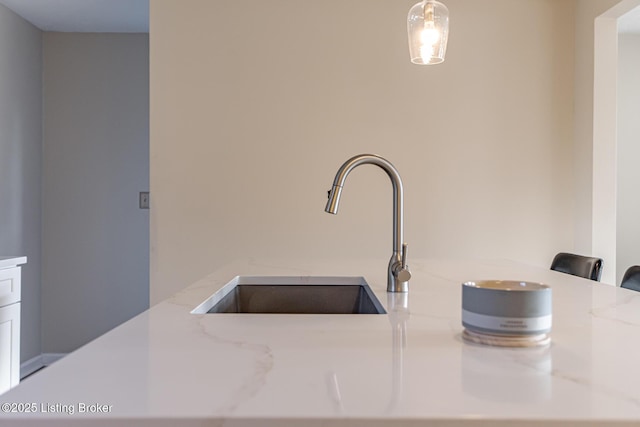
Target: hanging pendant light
{"x": 428, "y": 28}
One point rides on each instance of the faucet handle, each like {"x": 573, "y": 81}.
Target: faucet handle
{"x": 402, "y": 272}
{"x": 404, "y": 255}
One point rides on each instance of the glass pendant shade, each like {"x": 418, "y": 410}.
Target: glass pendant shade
{"x": 428, "y": 28}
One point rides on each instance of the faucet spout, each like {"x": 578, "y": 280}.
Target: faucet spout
{"x": 398, "y": 272}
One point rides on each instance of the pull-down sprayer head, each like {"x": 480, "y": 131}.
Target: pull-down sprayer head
{"x": 334, "y": 199}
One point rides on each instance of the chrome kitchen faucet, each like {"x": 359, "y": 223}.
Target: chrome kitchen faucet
{"x": 398, "y": 273}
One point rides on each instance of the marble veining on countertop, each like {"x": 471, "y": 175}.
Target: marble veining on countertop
{"x": 408, "y": 367}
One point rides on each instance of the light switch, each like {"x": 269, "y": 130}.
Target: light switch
{"x": 144, "y": 200}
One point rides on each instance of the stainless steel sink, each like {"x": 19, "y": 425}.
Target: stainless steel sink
{"x": 293, "y": 295}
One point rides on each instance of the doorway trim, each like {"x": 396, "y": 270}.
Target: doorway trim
{"x": 604, "y": 182}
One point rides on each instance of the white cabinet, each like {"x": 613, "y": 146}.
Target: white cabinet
{"x": 10, "y": 321}
{"x": 9, "y": 346}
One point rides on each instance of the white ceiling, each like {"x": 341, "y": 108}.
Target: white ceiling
{"x": 94, "y": 16}
{"x": 132, "y": 16}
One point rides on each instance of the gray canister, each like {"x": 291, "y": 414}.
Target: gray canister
{"x": 506, "y": 307}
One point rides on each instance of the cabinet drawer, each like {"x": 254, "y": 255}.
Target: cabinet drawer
{"x": 9, "y": 285}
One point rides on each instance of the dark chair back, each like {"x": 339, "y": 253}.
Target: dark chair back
{"x": 631, "y": 279}
{"x": 578, "y": 265}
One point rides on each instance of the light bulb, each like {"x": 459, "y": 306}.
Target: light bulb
{"x": 429, "y": 36}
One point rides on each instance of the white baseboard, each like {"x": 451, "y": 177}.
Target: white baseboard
{"x": 45, "y": 359}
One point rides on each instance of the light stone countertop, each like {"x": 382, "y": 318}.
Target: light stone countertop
{"x": 407, "y": 368}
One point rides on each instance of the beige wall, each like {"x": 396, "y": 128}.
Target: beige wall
{"x": 96, "y": 151}
{"x": 20, "y": 163}
{"x": 254, "y": 108}
{"x": 628, "y": 212}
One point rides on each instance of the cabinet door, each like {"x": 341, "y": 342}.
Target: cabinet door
{"x": 9, "y": 346}
{"x": 9, "y": 285}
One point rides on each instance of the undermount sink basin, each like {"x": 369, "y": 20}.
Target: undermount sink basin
{"x": 293, "y": 295}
